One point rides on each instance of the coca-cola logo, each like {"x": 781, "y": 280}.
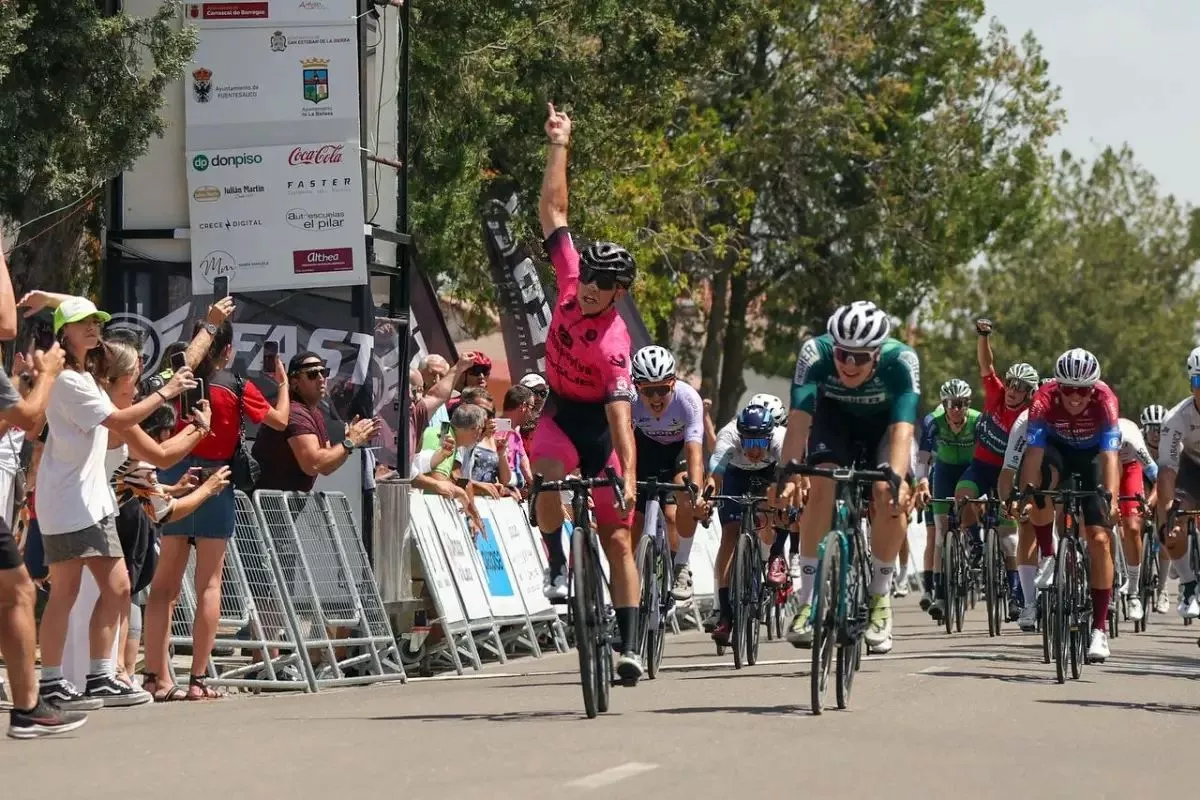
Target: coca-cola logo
{"x": 325, "y": 154}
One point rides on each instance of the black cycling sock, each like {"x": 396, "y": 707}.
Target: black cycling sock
{"x": 627, "y": 619}
{"x": 939, "y": 586}
{"x": 780, "y": 542}
{"x": 927, "y": 580}
{"x": 795, "y": 541}
{"x": 724, "y": 604}
{"x": 554, "y": 551}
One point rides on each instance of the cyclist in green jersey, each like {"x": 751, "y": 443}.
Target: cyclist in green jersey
{"x": 854, "y": 400}
{"x": 950, "y": 441}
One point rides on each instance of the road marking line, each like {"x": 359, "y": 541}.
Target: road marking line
{"x": 610, "y": 776}
{"x": 930, "y": 670}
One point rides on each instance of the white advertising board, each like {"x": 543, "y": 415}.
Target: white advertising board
{"x": 269, "y": 12}
{"x": 278, "y": 217}
{"x": 283, "y": 86}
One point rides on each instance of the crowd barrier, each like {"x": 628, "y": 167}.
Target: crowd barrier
{"x": 300, "y": 607}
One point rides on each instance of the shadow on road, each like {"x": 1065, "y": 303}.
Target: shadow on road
{"x": 507, "y": 716}
{"x": 1159, "y": 708}
{"x": 743, "y": 675}
{"x": 757, "y": 711}
{"x": 1015, "y": 678}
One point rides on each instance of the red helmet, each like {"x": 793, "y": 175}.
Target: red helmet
{"x": 482, "y": 361}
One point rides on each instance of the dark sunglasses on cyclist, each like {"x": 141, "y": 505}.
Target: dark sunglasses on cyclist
{"x": 957, "y": 405}
{"x": 756, "y": 443}
{"x": 477, "y": 370}
{"x": 856, "y": 357}
{"x": 1075, "y": 391}
{"x": 603, "y": 280}
{"x": 655, "y": 391}
{"x": 1017, "y": 386}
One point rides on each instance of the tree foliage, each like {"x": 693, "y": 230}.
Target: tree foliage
{"x": 1108, "y": 267}
{"x": 80, "y": 100}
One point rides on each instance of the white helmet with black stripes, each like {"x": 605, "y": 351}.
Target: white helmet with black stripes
{"x": 862, "y": 325}
{"x": 955, "y": 389}
{"x": 1153, "y": 415}
{"x": 652, "y": 364}
{"x": 772, "y": 404}
{"x": 1077, "y": 367}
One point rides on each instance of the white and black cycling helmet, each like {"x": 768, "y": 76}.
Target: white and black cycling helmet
{"x": 955, "y": 389}
{"x": 1194, "y": 362}
{"x": 1077, "y": 367}
{"x": 862, "y": 325}
{"x": 611, "y": 258}
{"x": 653, "y": 364}
{"x": 1153, "y": 415}
{"x": 771, "y": 403}
{"x": 1022, "y": 373}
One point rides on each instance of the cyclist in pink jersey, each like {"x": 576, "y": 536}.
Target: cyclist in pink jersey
{"x": 589, "y": 410}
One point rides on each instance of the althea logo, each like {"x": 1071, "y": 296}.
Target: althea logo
{"x": 201, "y": 162}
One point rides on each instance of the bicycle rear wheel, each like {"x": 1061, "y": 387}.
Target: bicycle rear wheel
{"x": 849, "y": 652}
{"x": 1045, "y": 622}
{"x": 586, "y": 619}
{"x": 1061, "y": 598}
{"x": 1193, "y": 554}
{"x": 644, "y": 558}
{"x": 991, "y": 588}
{"x": 659, "y": 634}
{"x": 1083, "y": 612}
{"x": 1147, "y": 581}
{"x": 824, "y": 622}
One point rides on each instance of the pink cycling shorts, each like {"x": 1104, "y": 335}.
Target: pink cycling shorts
{"x": 550, "y": 443}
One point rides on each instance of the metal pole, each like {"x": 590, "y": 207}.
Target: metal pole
{"x": 400, "y": 292}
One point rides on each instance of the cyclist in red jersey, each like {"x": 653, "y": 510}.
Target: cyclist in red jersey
{"x": 589, "y": 410}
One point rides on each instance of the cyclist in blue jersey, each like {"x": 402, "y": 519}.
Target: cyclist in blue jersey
{"x": 748, "y": 467}
{"x": 668, "y": 430}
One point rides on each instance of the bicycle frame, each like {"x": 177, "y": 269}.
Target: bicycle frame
{"x": 657, "y": 586}
{"x": 745, "y": 637}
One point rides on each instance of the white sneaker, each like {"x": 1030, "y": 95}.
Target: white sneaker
{"x": 794, "y": 566}
{"x": 900, "y": 587}
{"x": 554, "y": 588}
{"x": 1098, "y": 649}
{"x": 629, "y": 667}
{"x": 1135, "y": 609}
{"x": 879, "y": 627}
{"x": 1162, "y": 603}
{"x": 1045, "y": 573}
{"x": 1189, "y": 607}
{"x": 1027, "y": 622}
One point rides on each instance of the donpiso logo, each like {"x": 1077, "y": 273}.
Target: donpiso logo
{"x": 201, "y": 161}
{"x": 305, "y": 220}
{"x": 206, "y": 194}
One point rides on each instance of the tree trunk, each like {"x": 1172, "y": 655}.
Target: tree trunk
{"x": 734, "y": 347}
{"x": 47, "y": 254}
{"x": 710, "y": 359}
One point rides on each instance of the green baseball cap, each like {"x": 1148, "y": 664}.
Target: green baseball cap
{"x": 77, "y": 309}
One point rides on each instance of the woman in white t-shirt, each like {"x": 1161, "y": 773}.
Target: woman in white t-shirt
{"x": 76, "y": 507}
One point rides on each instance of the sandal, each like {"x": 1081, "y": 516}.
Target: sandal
{"x": 205, "y": 693}
{"x": 161, "y": 693}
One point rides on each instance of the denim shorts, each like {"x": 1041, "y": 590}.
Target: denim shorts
{"x": 214, "y": 519}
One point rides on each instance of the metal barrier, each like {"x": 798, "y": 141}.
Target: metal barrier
{"x": 300, "y": 608}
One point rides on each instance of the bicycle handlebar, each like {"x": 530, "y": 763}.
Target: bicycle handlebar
{"x": 575, "y": 486}
{"x": 862, "y": 477}
{"x": 656, "y": 488}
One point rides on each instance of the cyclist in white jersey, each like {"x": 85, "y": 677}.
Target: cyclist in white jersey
{"x": 668, "y": 429}
{"x": 1034, "y": 573}
{"x": 1152, "y": 420}
{"x": 1179, "y": 480}
{"x": 1137, "y": 467}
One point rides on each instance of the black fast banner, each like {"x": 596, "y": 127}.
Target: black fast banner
{"x": 525, "y": 305}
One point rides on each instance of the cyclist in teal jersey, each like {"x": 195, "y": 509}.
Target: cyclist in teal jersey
{"x": 854, "y": 400}
{"x": 950, "y": 441}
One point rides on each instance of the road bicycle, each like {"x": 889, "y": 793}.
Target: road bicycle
{"x": 840, "y": 613}
{"x": 655, "y": 573}
{"x": 1068, "y": 601}
{"x": 1148, "y": 577}
{"x": 746, "y": 582}
{"x": 994, "y": 582}
{"x": 1193, "y": 539}
{"x": 776, "y": 599}
{"x": 587, "y": 612}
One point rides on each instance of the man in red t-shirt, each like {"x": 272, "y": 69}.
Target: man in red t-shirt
{"x": 292, "y": 459}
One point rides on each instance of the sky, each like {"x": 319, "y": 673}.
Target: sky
{"x": 1119, "y": 65}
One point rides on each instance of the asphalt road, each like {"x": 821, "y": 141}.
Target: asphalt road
{"x": 941, "y": 716}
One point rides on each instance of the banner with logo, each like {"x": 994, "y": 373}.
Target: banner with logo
{"x": 280, "y": 217}
{"x": 270, "y": 12}
{"x": 273, "y": 86}
{"x": 524, "y": 310}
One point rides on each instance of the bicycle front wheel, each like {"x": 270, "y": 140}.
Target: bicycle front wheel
{"x": 965, "y": 583}
{"x": 587, "y": 619}
{"x": 739, "y": 596}
{"x": 949, "y": 580}
{"x": 1147, "y": 581}
{"x": 1064, "y": 620}
{"x": 991, "y": 587}
{"x": 849, "y": 654}
{"x": 644, "y": 558}
{"x": 824, "y": 620}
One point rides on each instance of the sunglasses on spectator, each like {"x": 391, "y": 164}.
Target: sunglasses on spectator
{"x": 1075, "y": 391}
{"x": 604, "y": 281}
{"x": 755, "y": 443}
{"x": 957, "y": 405}
{"x": 313, "y": 372}
{"x": 659, "y": 390}
{"x": 856, "y": 357}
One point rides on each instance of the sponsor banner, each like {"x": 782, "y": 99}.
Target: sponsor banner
{"x": 284, "y": 76}
{"x": 525, "y": 304}
{"x": 268, "y": 12}
{"x": 279, "y": 217}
